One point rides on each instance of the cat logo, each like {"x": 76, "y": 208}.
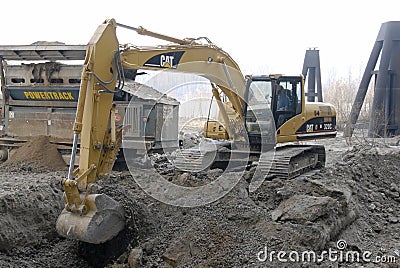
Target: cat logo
{"x": 165, "y": 60}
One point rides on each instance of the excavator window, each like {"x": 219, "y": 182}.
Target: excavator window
{"x": 289, "y": 98}
{"x": 283, "y": 96}
{"x": 259, "y": 99}
{"x": 260, "y": 91}
{"x": 299, "y": 97}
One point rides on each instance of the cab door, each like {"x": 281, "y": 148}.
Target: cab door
{"x": 288, "y": 99}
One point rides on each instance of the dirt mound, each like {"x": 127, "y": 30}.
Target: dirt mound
{"x": 29, "y": 207}
{"x": 37, "y": 155}
{"x": 355, "y": 199}
{"x": 302, "y": 214}
{"x": 372, "y": 173}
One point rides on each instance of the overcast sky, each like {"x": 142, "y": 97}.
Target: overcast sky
{"x": 262, "y": 36}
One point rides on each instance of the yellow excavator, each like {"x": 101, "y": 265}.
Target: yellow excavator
{"x": 96, "y": 218}
{"x": 295, "y": 121}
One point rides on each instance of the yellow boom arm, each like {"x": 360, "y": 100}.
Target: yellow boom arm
{"x": 96, "y": 218}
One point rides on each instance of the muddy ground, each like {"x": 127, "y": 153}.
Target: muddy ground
{"x": 355, "y": 200}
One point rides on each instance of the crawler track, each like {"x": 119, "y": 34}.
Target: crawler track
{"x": 288, "y": 162}
{"x": 293, "y": 160}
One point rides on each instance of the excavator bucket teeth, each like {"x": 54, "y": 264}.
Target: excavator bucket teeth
{"x": 103, "y": 222}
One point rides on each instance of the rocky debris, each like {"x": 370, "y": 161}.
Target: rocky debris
{"x": 179, "y": 252}
{"x": 304, "y": 208}
{"x": 324, "y": 216}
{"x": 36, "y": 155}
{"x": 135, "y": 257}
{"x": 191, "y": 139}
{"x": 393, "y": 220}
{"x": 194, "y": 179}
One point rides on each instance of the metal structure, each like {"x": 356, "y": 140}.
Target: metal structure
{"x": 151, "y": 119}
{"x": 42, "y": 50}
{"x": 41, "y": 99}
{"x": 385, "y": 112}
{"x": 40, "y": 96}
{"x": 312, "y": 67}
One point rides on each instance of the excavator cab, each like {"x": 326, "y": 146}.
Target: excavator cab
{"x": 294, "y": 118}
{"x": 283, "y": 94}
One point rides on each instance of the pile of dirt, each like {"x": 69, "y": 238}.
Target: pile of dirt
{"x": 37, "y": 155}
{"x": 29, "y": 207}
{"x": 372, "y": 173}
{"x": 356, "y": 199}
{"x": 231, "y": 231}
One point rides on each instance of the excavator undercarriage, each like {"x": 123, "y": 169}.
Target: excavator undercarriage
{"x": 293, "y": 160}
{"x": 288, "y": 161}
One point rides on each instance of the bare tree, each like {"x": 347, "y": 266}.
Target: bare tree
{"x": 341, "y": 91}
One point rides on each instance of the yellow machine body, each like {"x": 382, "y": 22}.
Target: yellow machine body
{"x": 306, "y": 121}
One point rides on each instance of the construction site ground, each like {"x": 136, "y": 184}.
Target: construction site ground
{"x": 354, "y": 200}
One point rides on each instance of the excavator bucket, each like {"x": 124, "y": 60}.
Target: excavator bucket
{"x": 103, "y": 222}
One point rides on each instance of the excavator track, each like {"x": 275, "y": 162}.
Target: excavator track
{"x": 293, "y": 160}
{"x": 195, "y": 160}
{"x": 288, "y": 161}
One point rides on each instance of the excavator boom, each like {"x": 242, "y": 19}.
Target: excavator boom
{"x": 96, "y": 218}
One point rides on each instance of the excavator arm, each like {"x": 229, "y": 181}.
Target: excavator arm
{"x": 88, "y": 216}
{"x": 208, "y": 61}
{"x": 96, "y": 218}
